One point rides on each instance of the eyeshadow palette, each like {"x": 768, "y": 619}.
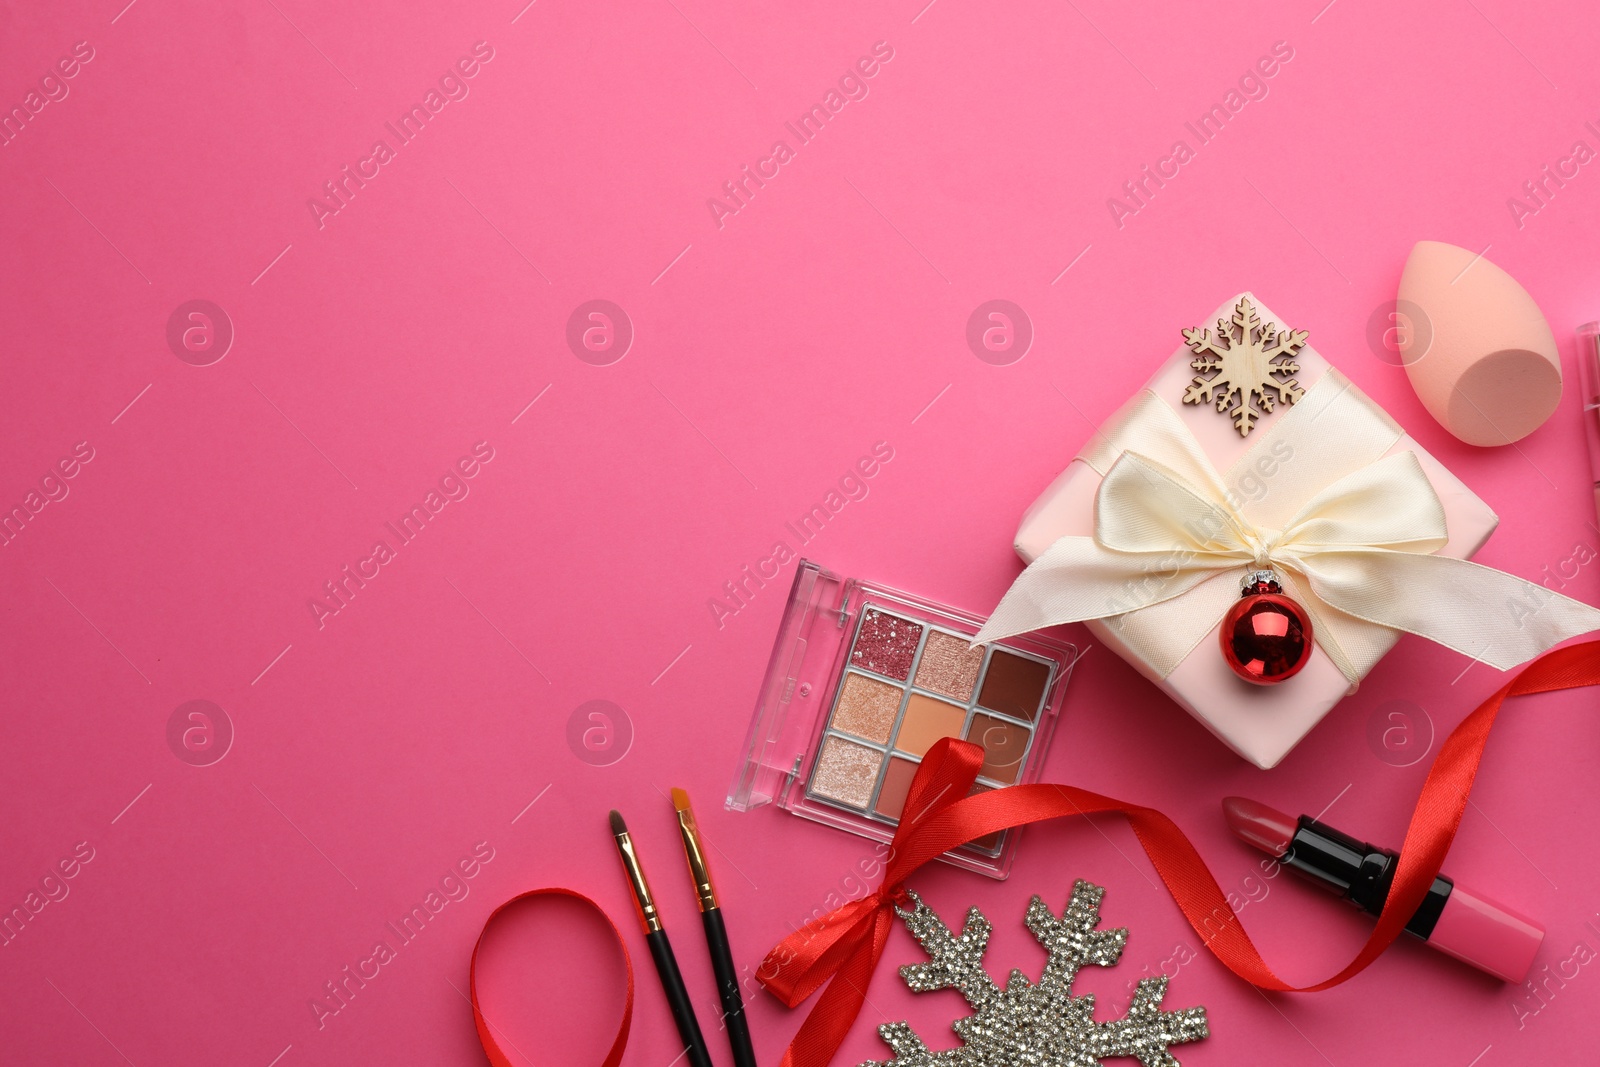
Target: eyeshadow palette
{"x": 864, "y": 679}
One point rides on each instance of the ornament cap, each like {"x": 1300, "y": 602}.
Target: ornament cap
{"x": 1254, "y": 581}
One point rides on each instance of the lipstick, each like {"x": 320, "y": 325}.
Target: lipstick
{"x": 1451, "y": 918}
{"x": 1589, "y": 397}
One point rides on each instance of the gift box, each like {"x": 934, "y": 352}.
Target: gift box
{"x": 1260, "y": 723}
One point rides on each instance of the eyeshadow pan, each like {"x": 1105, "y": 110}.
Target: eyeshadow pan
{"x": 896, "y": 787}
{"x": 1005, "y": 744}
{"x": 846, "y": 772}
{"x": 925, "y": 721}
{"x": 886, "y": 644}
{"x": 948, "y": 666}
{"x": 867, "y": 708}
{"x": 1013, "y": 685}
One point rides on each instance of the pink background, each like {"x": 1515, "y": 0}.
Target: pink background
{"x": 373, "y": 753}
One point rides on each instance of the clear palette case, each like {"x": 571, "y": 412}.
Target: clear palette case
{"x": 864, "y": 679}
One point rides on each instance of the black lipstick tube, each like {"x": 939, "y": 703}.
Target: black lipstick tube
{"x": 1359, "y": 872}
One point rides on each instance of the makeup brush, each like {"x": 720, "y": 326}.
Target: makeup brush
{"x": 655, "y": 936}
{"x": 716, "y": 934}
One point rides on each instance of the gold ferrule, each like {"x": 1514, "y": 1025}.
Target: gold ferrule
{"x": 704, "y": 891}
{"x": 649, "y": 918}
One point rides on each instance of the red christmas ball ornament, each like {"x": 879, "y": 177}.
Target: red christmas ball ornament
{"x": 1266, "y": 636}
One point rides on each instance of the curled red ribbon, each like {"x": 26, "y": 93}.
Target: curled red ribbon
{"x": 842, "y": 948}
{"x": 486, "y": 1030}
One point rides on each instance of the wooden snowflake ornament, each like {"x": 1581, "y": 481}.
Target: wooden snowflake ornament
{"x": 1249, "y": 363}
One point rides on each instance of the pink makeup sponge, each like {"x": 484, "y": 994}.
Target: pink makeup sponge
{"x": 1479, "y": 351}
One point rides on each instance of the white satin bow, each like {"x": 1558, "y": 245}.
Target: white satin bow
{"x": 1353, "y": 533}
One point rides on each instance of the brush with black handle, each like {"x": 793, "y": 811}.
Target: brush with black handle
{"x": 655, "y": 936}
{"x": 716, "y": 935}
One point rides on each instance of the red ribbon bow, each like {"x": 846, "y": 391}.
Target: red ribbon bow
{"x": 846, "y": 944}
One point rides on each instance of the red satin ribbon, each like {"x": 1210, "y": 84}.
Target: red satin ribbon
{"x": 845, "y": 944}
{"x": 491, "y": 1047}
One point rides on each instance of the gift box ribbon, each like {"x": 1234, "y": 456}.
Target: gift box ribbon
{"x": 842, "y": 948}
{"x": 1351, "y": 529}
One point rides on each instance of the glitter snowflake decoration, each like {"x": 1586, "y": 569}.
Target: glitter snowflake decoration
{"x": 1249, "y": 363}
{"x": 1041, "y": 1025}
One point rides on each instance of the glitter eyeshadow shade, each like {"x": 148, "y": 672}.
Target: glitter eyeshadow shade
{"x": 886, "y": 644}
{"x": 949, "y": 666}
{"x": 846, "y": 772}
{"x": 867, "y": 708}
{"x": 863, "y": 681}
